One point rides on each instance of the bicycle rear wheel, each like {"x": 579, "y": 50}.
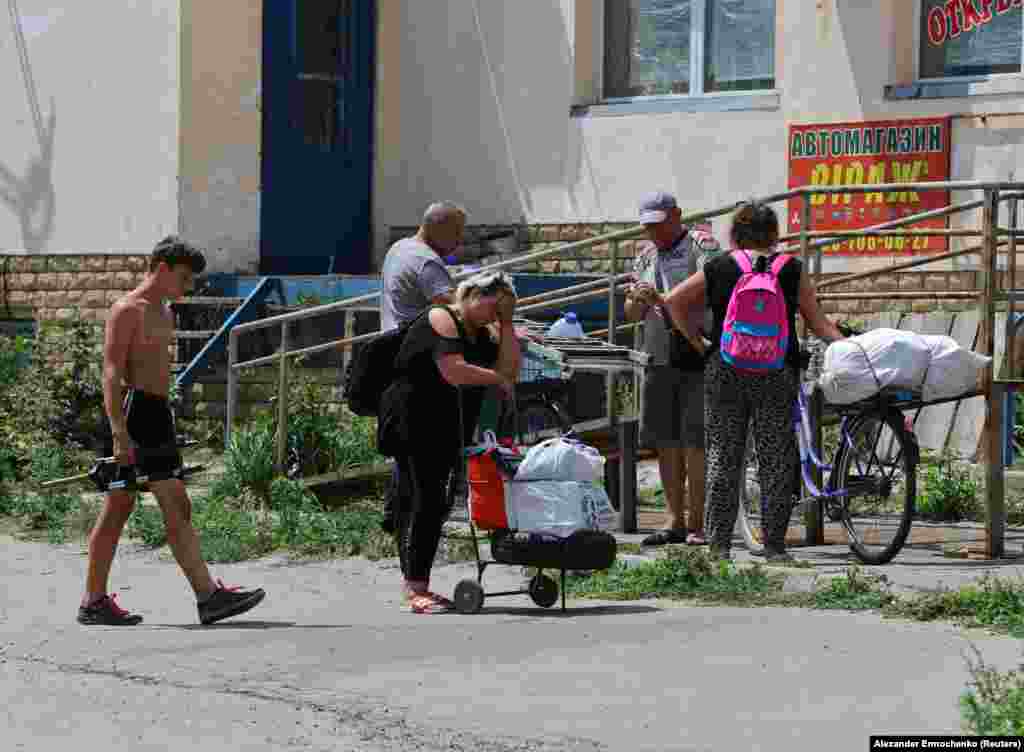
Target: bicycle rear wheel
{"x": 877, "y": 475}
{"x": 751, "y": 504}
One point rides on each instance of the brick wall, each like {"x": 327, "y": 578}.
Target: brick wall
{"x": 56, "y": 286}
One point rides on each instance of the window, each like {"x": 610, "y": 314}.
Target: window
{"x": 970, "y": 37}
{"x": 688, "y": 47}
{"x": 320, "y": 58}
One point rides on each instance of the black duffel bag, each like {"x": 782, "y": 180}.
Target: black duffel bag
{"x": 582, "y": 550}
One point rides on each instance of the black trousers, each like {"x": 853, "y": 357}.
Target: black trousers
{"x": 421, "y": 505}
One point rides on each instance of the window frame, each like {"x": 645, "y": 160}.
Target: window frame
{"x": 975, "y": 78}
{"x": 698, "y": 38}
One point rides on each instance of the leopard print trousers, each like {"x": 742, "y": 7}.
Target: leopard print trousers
{"x": 732, "y": 400}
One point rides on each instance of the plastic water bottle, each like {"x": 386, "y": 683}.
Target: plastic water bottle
{"x": 567, "y": 326}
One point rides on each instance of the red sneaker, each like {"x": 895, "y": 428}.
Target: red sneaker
{"x": 105, "y": 611}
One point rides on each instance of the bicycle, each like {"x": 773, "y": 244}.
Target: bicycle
{"x": 871, "y": 484}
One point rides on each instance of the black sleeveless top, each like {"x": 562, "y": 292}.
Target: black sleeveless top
{"x": 422, "y": 406}
{"x": 722, "y": 273}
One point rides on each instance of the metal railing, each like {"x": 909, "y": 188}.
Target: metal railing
{"x": 995, "y": 194}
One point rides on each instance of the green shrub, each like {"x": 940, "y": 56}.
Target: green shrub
{"x": 58, "y": 395}
{"x": 994, "y": 704}
{"x": 13, "y": 355}
{"x": 948, "y": 492}
{"x": 249, "y": 459}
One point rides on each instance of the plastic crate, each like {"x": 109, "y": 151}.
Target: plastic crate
{"x": 537, "y": 364}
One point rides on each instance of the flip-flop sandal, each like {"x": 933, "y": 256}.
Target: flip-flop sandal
{"x": 421, "y": 603}
{"x": 442, "y": 600}
{"x": 696, "y": 538}
{"x": 663, "y": 537}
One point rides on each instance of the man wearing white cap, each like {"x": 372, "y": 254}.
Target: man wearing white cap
{"x": 673, "y": 417}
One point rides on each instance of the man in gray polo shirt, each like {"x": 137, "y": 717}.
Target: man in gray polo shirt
{"x": 414, "y": 276}
{"x": 673, "y": 417}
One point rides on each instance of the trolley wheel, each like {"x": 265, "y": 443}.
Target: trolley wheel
{"x": 543, "y": 590}
{"x": 469, "y": 597}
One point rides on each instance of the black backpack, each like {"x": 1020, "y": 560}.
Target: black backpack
{"x": 372, "y": 368}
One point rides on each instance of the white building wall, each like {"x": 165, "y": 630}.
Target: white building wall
{"x": 475, "y": 107}
{"x": 89, "y": 125}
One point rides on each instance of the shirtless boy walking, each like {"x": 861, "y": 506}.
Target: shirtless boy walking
{"x": 136, "y": 382}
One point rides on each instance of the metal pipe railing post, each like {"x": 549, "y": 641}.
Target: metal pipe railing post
{"x": 814, "y": 522}
{"x": 282, "y": 400}
{"x": 995, "y": 521}
{"x": 611, "y": 397}
{"x": 613, "y": 270}
{"x": 232, "y": 391}
{"x": 1011, "y": 314}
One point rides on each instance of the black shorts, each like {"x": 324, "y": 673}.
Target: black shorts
{"x": 673, "y": 408}
{"x": 151, "y": 428}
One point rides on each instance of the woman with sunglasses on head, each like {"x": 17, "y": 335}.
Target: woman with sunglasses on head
{"x": 449, "y": 356}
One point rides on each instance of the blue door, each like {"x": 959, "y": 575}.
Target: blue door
{"x": 318, "y": 74}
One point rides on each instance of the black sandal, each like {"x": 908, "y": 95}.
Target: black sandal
{"x": 666, "y": 536}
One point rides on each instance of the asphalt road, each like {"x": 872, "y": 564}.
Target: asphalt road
{"x": 330, "y": 662}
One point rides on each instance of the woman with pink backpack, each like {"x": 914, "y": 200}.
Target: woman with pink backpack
{"x": 751, "y": 374}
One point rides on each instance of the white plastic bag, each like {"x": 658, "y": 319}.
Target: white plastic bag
{"x": 856, "y": 368}
{"x": 954, "y": 370}
{"x": 562, "y": 459}
{"x": 557, "y": 507}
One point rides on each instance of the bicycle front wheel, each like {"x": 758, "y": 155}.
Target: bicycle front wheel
{"x": 877, "y": 480}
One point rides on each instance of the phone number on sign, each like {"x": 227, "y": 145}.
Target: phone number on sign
{"x": 878, "y": 245}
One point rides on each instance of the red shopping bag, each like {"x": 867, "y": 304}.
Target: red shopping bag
{"x": 486, "y": 492}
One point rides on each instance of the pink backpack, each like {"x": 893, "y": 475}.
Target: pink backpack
{"x": 755, "y": 334}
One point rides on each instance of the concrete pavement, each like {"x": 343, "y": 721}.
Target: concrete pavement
{"x": 330, "y": 662}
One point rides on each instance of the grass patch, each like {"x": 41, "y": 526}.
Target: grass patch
{"x": 991, "y": 603}
{"x": 244, "y": 527}
{"x": 853, "y": 591}
{"x": 993, "y": 704}
{"x": 682, "y": 573}
{"x": 457, "y": 545}
{"x": 651, "y": 497}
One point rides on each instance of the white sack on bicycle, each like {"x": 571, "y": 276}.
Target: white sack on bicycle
{"x": 558, "y": 507}
{"x": 954, "y": 370}
{"x": 562, "y": 459}
{"x": 857, "y": 368}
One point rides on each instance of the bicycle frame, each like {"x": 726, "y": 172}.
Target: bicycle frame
{"x": 809, "y": 458}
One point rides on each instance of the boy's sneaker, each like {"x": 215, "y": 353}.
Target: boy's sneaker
{"x": 228, "y": 601}
{"x": 106, "y": 612}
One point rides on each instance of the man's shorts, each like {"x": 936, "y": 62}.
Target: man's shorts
{"x": 151, "y": 428}
{"x": 673, "y": 408}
